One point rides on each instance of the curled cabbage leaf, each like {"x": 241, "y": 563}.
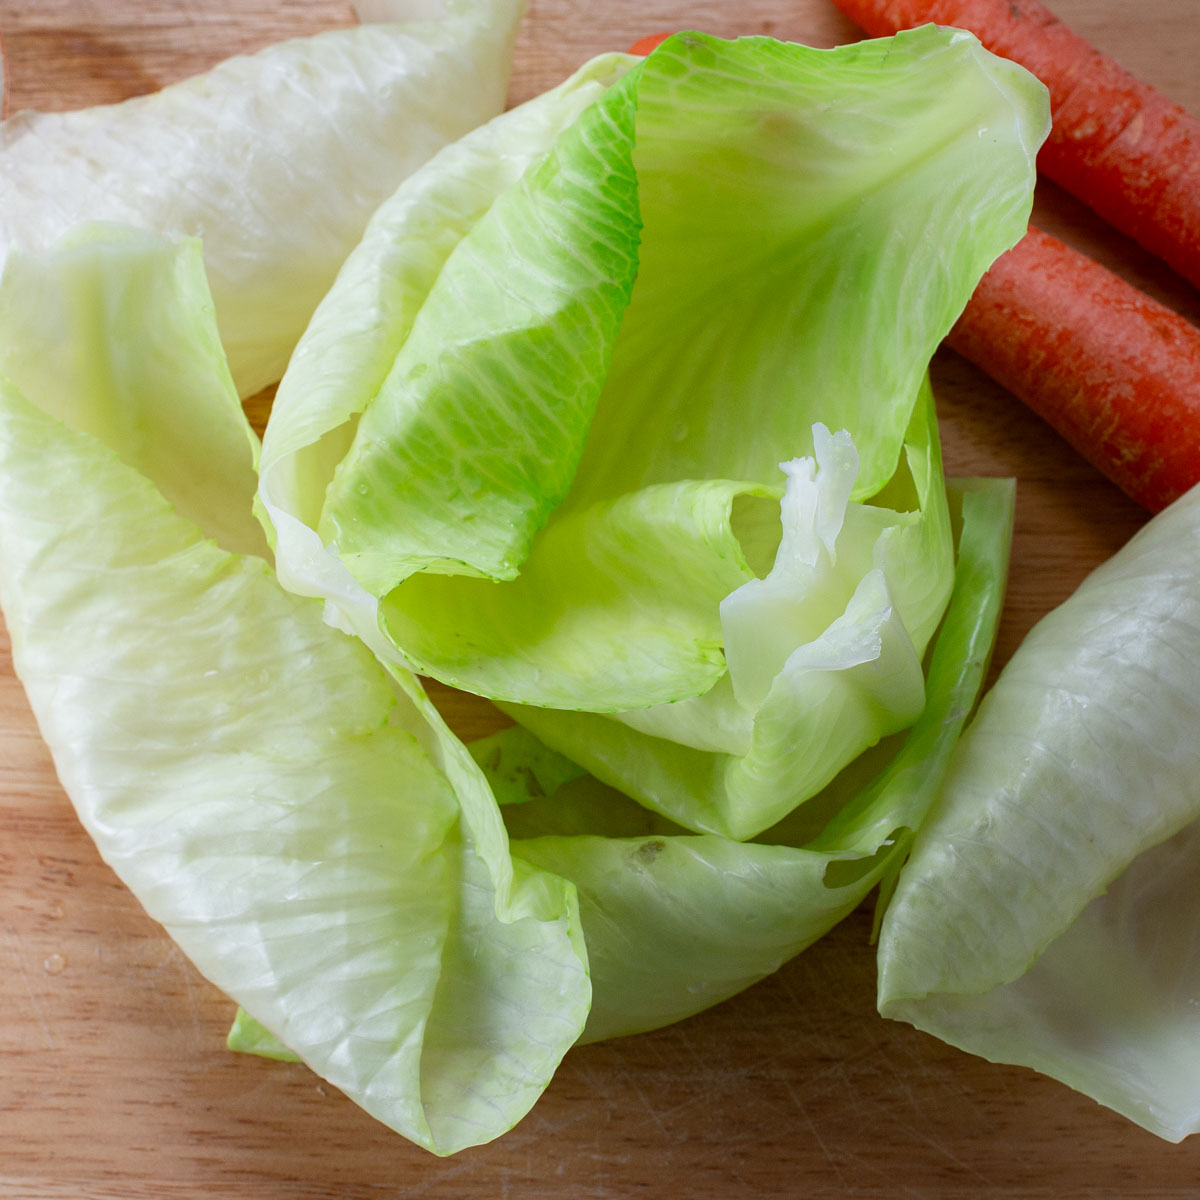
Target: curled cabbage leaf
{"x": 307, "y": 831}
{"x": 1049, "y": 913}
{"x": 676, "y": 921}
{"x": 530, "y": 443}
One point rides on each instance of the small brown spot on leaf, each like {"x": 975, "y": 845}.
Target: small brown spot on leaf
{"x": 647, "y": 852}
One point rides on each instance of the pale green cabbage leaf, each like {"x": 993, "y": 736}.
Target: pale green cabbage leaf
{"x": 538, "y": 460}
{"x": 1049, "y": 913}
{"x": 524, "y": 447}
{"x": 835, "y": 656}
{"x": 277, "y": 159}
{"x": 676, "y": 922}
{"x": 308, "y": 833}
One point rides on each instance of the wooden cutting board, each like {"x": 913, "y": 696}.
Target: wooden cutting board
{"x": 116, "y": 1083}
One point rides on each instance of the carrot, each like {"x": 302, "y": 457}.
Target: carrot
{"x": 1123, "y": 148}
{"x": 644, "y": 45}
{"x": 1115, "y": 372}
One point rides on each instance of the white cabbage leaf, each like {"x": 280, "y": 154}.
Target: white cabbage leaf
{"x": 1049, "y": 913}
{"x": 309, "y": 833}
{"x": 276, "y": 160}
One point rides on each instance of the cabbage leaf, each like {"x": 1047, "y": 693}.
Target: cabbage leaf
{"x": 675, "y": 921}
{"x": 1049, "y": 912}
{"x": 276, "y": 159}
{"x": 531, "y": 443}
{"x": 835, "y": 680}
{"x": 308, "y": 833}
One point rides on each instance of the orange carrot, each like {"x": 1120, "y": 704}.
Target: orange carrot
{"x": 1123, "y": 148}
{"x": 644, "y": 45}
{"x": 1115, "y": 372}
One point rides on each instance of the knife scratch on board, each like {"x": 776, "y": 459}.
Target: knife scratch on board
{"x": 14, "y": 943}
{"x": 814, "y": 1129}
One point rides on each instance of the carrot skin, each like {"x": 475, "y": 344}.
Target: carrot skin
{"x": 1114, "y": 372}
{"x": 644, "y": 45}
{"x": 1119, "y": 145}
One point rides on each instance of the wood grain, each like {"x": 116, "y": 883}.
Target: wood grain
{"x": 117, "y": 1084}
